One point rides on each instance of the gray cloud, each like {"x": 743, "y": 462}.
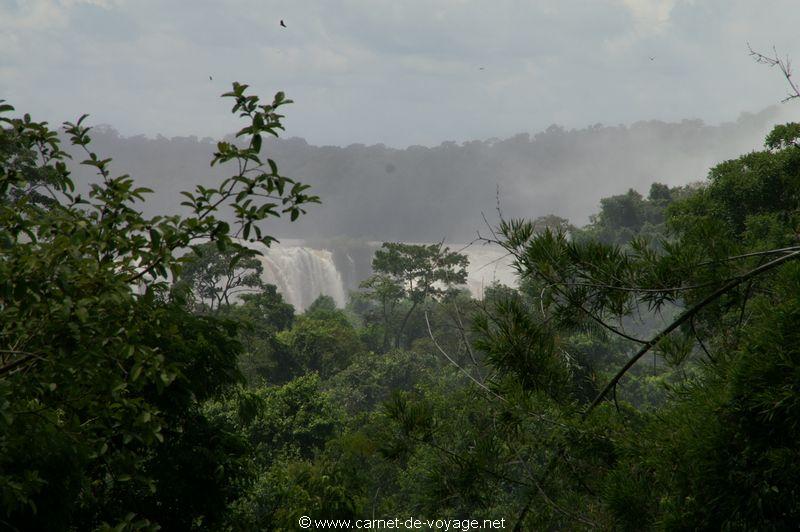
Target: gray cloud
{"x": 400, "y": 73}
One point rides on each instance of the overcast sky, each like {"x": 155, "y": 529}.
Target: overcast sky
{"x": 391, "y": 71}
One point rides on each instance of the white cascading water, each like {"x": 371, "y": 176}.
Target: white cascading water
{"x": 487, "y": 265}
{"x": 302, "y": 274}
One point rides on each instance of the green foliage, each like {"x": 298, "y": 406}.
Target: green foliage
{"x": 517, "y": 345}
{"x": 370, "y": 379}
{"x": 503, "y": 409}
{"x": 451, "y": 450}
{"x": 292, "y": 489}
{"x": 285, "y": 429}
{"x": 724, "y": 453}
{"x": 419, "y": 267}
{"x": 294, "y": 419}
{"x": 261, "y": 316}
{"x": 552, "y": 223}
{"x": 379, "y": 303}
{"x": 122, "y": 405}
{"x": 783, "y": 136}
{"x": 265, "y": 308}
{"x": 97, "y": 380}
{"x": 714, "y": 455}
{"x": 626, "y": 216}
{"x": 321, "y": 307}
{"x": 406, "y": 275}
{"x": 213, "y": 277}
{"x": 322, "y": 341}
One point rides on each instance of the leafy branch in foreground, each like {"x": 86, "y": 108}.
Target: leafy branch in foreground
{"x": 98, "y": 365}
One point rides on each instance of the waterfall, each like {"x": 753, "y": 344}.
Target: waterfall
{"x": 302, "y": 274}
{"x": 487, "y": 264}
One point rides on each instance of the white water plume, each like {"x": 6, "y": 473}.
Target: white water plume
{"x": 302, "y": 274}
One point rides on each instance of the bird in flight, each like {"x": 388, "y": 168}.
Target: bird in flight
{"x": 283, "y": 25}
{"x": 210, "y": 78}
{"x": 481, "y": 68}
{"x": 652, "y": 58}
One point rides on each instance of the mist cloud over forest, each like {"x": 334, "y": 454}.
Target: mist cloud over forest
{"x": 440, "y": 192}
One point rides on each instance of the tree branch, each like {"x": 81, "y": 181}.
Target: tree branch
{"x": 11, "y": 366}
{"x": 686, "y": 315}
{"x": 784, "y": 65}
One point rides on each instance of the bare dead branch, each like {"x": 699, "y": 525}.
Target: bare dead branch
{"x": 785, "y": 66}
{"x": 20, "y": 362}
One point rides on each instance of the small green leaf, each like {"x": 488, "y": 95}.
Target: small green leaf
{"x": 155, "y": 238}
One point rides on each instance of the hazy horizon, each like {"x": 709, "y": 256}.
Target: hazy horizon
{"x": 786, "y": 110}
{"x": 430, "y": 193}
{"x": 398, "y": 74}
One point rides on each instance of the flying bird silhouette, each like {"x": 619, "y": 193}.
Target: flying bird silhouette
{"x": 282, "y": 24}
{"x": 210, "y": 78}
{"x": 652, "y": 58}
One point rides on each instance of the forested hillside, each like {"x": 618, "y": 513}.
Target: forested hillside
{"x": 425, "y": 194}
{"x": 644, "y": 375}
